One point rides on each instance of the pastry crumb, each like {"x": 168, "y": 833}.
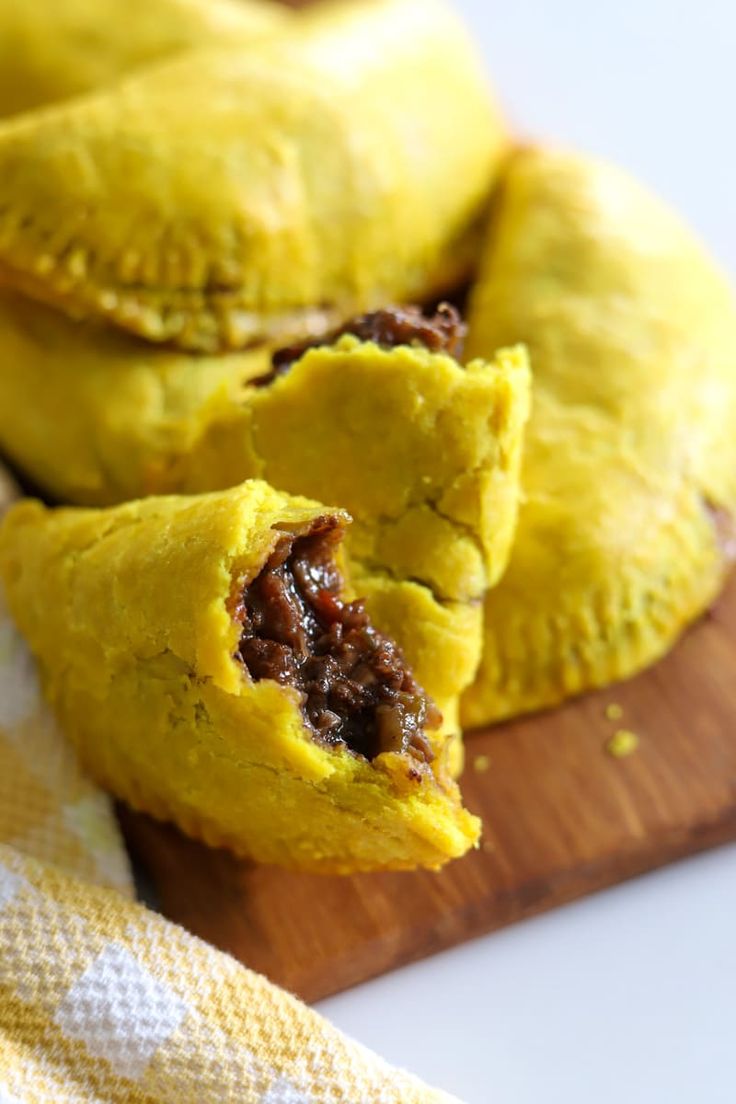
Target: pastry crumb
{"x": 614, "y": 712}
{"x": 481, "y": 763}
{"x": 622, "y": 743}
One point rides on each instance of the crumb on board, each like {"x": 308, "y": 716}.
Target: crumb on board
{"x": 622, "y": 743}
{"x": 481, "y": 763}
{"x": 614, "y": 712}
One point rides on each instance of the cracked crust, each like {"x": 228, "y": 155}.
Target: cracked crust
{"x": 51, "y": 50}
{"x": 235, "y": 196}
{"x": 129, "y": 613}
{"x": 433, "y": 525}
{"x": 630, "y": 463}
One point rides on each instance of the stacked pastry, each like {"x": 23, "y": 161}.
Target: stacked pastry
{"x": 202, "y": 242}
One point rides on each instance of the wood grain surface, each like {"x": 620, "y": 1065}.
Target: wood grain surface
{"x": 562, "y": 818}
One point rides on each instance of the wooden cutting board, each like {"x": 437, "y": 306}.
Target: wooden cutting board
{"x": 562, "y": 818}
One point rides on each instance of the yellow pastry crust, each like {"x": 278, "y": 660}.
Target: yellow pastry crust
{"x": 629, "y": 476}
{"x": 129, "y": 612}
{"x": 425, "y": 456}
{"x": 422, "y": 452}
{"x": 237, "y": 195}
{"x": 93, "y": 416}
{"x": 54, "y": 49}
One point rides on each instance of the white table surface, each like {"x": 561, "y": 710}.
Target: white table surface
{"x": 628, "y": 996}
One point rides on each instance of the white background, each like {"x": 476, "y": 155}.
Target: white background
{"x": 628, "y": 997}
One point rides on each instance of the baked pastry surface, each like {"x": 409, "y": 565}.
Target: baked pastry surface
{"x": 629, "y": 478}
{"x": 199, "y": 653}
{"x": 235, "y": 195}
{"x": 423, "y": 453}
{"x": 52, "y": 50}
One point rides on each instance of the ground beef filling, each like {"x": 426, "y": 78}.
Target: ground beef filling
{"x": 357, "y": 690}
{"x": 442, "y": 332}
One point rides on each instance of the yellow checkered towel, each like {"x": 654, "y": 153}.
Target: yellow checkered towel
{"x": 102, "y": 999}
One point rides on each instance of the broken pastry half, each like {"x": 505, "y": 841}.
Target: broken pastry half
{"x": 629, "y": 473}
{"x": 238, "y": 195}
{"x": 381, "y": 418}
{"x": 52, "y": 50}
{"x": 423, "y": 452}
{"x": 203, "y": 656}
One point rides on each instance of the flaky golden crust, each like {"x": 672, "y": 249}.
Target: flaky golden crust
{"x": 236, "y": 195}
{"x": 629, "y": 477}
{"x": 128, "y": 611}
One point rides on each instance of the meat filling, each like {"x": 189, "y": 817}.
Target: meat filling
{"x": 444, "y": 332}
{"x": 356, "y": 688}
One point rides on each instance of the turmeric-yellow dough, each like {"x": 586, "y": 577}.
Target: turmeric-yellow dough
{"x": 422, "y": 452}
{"x": 152, "y": 623}
{"x": 629, "y": 477}
{"x": 53, "y": 49}
{"x": 239, "y": 194}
